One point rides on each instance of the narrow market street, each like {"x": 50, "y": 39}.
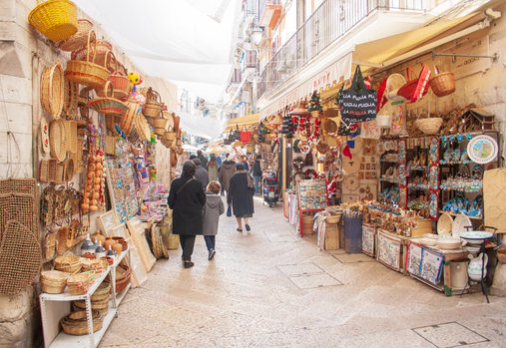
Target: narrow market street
{"x": 270, "y": 288}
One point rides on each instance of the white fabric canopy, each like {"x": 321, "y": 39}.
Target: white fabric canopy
{"x": 188, "y": 42}
{"x": 205, "y": 127}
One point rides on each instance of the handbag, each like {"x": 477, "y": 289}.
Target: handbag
{"x": 357, "y": 104}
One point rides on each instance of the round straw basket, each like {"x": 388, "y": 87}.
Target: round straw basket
{"x": 69, "y": 98}
{"x": 87, "y": 72}
{"x": 107, "y": 105}
{"x": 153, "y": 105}
{"x": 53, "y": 282}
{"x": 76, "y": 323}
{"x": 443, "y": 84}
{"x": 121, "y": 85}
{"x": 128, "y": 119}
{"x": 171, "y": 136}
{"x": 51, "y": 90}
{"x": 78, "y": 284}
{"x": 161, "y": 122}
{"x": 103, "y": 54}
{"x": 55, "y": 19}
{"x": 160, "y": 131}
{"x": 68, "y": 263}
{"x": 333, "y": 219}
{"x": 78, "y": 40}
{"x": 429, "y": 125}
{"x": 57, "y": 140}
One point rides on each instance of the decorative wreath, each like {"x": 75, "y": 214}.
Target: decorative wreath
{"x": 310, "y": 174}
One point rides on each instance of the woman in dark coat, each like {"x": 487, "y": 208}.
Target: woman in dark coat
{"x": 187, "y": 199}
{"x": 240, "y": 195}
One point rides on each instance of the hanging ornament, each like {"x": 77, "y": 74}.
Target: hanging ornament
{"x": 315, "y": 106}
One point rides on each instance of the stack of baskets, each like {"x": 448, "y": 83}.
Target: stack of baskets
{"x": 79, "y": 284}
{"x": 53, "y": 282}
{"x": 123, "y": 277}
{"x": 99, "y": 300}
{"x": 76, "y": 323}
{"x": 95, "y": 265}
{"x": 153, "y": 106}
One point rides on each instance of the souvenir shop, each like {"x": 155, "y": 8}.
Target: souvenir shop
{"x": 95, "y": 220}
{"x": 403, "y": 164}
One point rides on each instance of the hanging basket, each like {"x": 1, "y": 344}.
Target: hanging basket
{"x": 121, "y": 85}
{"x": 142, "y": 127}
{"x": 103, "y": 54}
{"x": 107, "y": 105}
{"x": 415, "y": 89}
{"x": 78, "y": 40}
{"x": 128, "y": 119}
{"x": 161, "y": 123}
{"x": 429, "y": 125}
{"x": 442, "y": 84}
{"x": 52, "y": 90}
{"x": 57, "y": 140}
{"x": 87, "y": 72}
{"x": 55, "y": 19}
{"x": 153, "y": 105}
{"x": 69, "y": 98}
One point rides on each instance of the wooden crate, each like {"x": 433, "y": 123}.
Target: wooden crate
{"x": 424, "y": 226}
{"x": 332, "y": 237}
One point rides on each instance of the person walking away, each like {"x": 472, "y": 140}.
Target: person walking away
{"x": 187, "y": 199}
{"x": 213, "y": 208}
{"x": 218, "y": 159}
{"x": 257, "y": 173}
{"x": 201, "y": 174}
{"x": 203, "y": 159}
{"x": 226, "y": 171}
{"x": 212, "y": 169}
{"x": 240, "y": 196}
{"x": 244, "y": 161}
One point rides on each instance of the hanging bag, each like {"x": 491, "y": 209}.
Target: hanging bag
{"x": 415, "y": 89}
{"x": 357, "y": 104}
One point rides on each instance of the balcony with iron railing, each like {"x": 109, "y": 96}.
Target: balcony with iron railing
{"x": 331, "y": 21}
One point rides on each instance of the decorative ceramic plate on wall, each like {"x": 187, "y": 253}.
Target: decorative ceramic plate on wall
{"x": 482, "y": 149}
{"x": 459, "y": 225}
{"x": 444, "y": 224}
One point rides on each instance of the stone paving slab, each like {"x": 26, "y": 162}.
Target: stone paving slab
{"x": 271, "y": 288}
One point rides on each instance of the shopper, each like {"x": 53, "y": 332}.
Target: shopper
{"x": 201, "y": 174}
{"x": 257, "y": 173}
{"x": 186, "y": 199}
{"x": 212, "y": 169}
{"x": 240, "y": 196}
{"x": 244, "y": 161}
{"x": 226, "y": 171}
{"x": 202, "y": 158}
{"x": 213, "y": 208}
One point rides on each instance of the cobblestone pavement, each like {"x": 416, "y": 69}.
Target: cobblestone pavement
{"x": 271, "y": 288}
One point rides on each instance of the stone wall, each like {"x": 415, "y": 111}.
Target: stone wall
{"x": 24, "y": 54}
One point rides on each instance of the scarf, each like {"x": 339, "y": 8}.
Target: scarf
{"x": 251, "y": 183}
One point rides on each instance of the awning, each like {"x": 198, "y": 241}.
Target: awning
{"x": 241, "y": 122}
{"x": 339, "y": 70}
{"x": 393, "y": 49}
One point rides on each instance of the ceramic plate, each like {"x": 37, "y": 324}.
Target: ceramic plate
{"x": 351, "y": 166}
{"x": 482, "y": 149}
{"x": 351, "y": 183}
{"x": 459, "y": 225}
{"x": 444, "y": 224}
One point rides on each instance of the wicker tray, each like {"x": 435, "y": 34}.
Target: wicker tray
{"x": 58, "y": 140}
{"x": 142, "y": 127}
{"x": 51, "y": 90}
{"x": 70, "y": 98}
{"x": 128, "y": 119}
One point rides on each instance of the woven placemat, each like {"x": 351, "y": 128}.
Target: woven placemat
{"x": 28, "y": 186}
{"x": 20, "y": 258}
{"x": 19, "y": 207}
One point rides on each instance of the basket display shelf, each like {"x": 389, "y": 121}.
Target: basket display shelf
{"x": 56, "y": 306}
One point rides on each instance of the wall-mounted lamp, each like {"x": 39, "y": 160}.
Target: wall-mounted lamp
{"x": 257, "y": 35}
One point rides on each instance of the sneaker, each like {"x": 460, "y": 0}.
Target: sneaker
{"x": 248, "y": 228}
{"x": 212, "y": 252}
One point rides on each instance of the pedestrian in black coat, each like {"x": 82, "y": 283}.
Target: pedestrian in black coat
{"x": 240, "y": 196}
{"x": 187, "y": 199}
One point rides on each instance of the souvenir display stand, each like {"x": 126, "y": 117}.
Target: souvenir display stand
{"x": 312, "y": 197}
{"x": 55, "y": 306}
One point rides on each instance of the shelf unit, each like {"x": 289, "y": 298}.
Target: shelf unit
{"x": 400, "y": 178}
{"x": 55, "y": 306}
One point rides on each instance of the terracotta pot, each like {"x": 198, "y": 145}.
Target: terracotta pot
{"x": 124, "y": 244}
{"x": 89, "y": 256}
{"x": 110, "y": 260}
{"x": 109, "y": 242}
{"x": 118, "y": 248}
{"x": 118, "y": 239}
{"x": 99, "y": 237}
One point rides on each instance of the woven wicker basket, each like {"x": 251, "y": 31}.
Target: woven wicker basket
{"x": 142, "y": 127}
{"x": 103, "y": 56}
{"x": 69, "y": 98}
{"x": 78, "y": 40}
{"x": 57, "y": 140}
{"x": 110, "y": 145}
{"x": 50, "y": 245}
{"x": 442, "y": 84}
{"x": 51, "y": 90}
{"x": 44, "y": 170}
{"x": 53, "y": 282}
{"x": 87, "y": 72}
{"x": 76, "y": 323}
{"x": 55, "y": 19}
{"x": 429, "y": 125}
{"x": 121, "y": 85}
{"x": 333, "y": 219}
{"x": 128, "y": 119}
{"x": 153, "y": 106}
{"x": 107, "y": 105}
{"x": 170, "y": 136}
{"x": 78, "y": 284}
{"x": 68, "y": 263}
{"x": 161, "y": 122}
{"x": 160, "y": 131}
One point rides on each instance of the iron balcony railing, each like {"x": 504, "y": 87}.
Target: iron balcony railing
{"x": 332, "y": 20}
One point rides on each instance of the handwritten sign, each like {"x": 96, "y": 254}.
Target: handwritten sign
{"x": 357, "y": 107}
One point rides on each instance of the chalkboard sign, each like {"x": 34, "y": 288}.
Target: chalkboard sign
{"x": 357, "y": 104}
